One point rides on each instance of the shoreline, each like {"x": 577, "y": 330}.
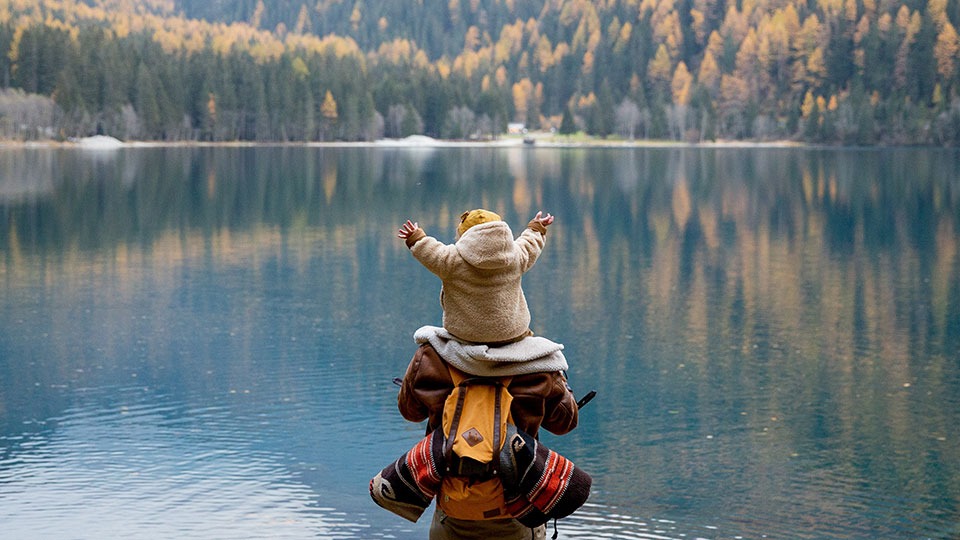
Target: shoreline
{"x": 532, "y": 141}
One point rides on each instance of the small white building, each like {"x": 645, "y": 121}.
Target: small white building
{"x": 516, "y": 128}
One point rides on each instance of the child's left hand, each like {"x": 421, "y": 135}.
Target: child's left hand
{"x": 407, "y": 229}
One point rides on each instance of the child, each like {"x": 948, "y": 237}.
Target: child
{"x": 481, "y": 295}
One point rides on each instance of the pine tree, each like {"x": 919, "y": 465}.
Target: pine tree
{"x": 567, "y": 126}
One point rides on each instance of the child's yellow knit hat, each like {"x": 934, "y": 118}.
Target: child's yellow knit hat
{"x": 475, "y": 217}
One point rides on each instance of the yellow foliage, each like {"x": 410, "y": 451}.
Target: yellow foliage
{"x": 863, "y": 28}
{"x": 356, "y": 16}
{"x": 624, "y": 37}
{"x": 212, "y": 106}
{"x": 830, "y": 7}
{"x": 903, "y": 17}
{"x": 668, "y": 31}
{"x": 660, "y": 68}
{"x": 510, "y": 42}
{"x": 733, "y": 89}
{"x": 945, "y": 50}
{"x": 916, "y": 21}
{"x": 806, "y": 109}
{"x": 501, "y": 76}
{"x": 398, "y": 51}
{"x": 267, "y": 51}
{"x": 453, "y": 7}
{"x": 169, "y": 41}
{"x": 221, "y": 43}
{"x": 816, "y": 66}
{"x": 341, "y": 47}
{"x": 791, "y": 20}
{"x": 443, "y": 68}
{"x": 562, "y": 50}
{"x": 471, "y": 41}
{"x": 328, "y": 109}
{"x": 635, "y": 83}
{"x": 850, "y": 10}
{"x": 810, "y": 35}
{"x": 938, "y": 11}
{"x": 682, "y": 80}
{"x": 587, "y": 65}
{"x": 14, "y": 54}
{"x": 709, "y": 75}
{"x": 543, "y": 54}
{"x": 715, "y": 45}
{"x": 613, "y": 30}
{"x": 697, "y": 21}
{"x": 734, "y": 25}
{"x": 532, "y": 30}
{"x": 587, "y": 101}
{"x": 747, "y": 54}
{"x": 466, "y": 63}
{"x": 594, "y": 39}
{"x": 299, "y": 68}
{"x": 303, "y": 20}
{"x": 257, "y": 16}
{"x": 522, "y": 94}
{"x": 778, "y": 31}
{"x": 885, "y": 23}
{"x": 648, "y": 5}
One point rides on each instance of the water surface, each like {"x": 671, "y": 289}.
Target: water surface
{"x": 199, "y": 343}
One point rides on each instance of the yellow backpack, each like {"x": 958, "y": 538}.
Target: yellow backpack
{"x": 475, "y": 417}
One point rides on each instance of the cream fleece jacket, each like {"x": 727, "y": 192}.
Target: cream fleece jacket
{"x": 481, "y": 295}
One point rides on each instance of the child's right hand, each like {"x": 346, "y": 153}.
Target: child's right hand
{"x": 407, "y": 229}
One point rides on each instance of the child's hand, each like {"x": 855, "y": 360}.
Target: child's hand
{"x": 407, "y": 229}
{"x": 545, "y": 220}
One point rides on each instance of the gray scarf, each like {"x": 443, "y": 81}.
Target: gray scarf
{"x": 532, "y": 354}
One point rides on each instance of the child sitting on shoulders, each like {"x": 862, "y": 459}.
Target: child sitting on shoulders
{"x": 481, "y": 295}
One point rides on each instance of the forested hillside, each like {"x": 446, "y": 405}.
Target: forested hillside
{"x": 833, "y": 71}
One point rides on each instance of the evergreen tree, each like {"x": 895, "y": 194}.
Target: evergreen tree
{"x": 38, "y": 60}
{"x": 567, "y": 125}
{"x": 605, "y": 110}
{"x": 6, "y": 38}
{"x": 146, "y": 103}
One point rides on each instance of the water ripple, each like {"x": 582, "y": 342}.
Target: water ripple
{"x": 160, "y": 471}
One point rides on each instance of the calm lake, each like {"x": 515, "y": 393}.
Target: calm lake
{"x": 199, "y": 343}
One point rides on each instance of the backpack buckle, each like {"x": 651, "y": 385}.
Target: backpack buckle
{"x": 471, "y": 468}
